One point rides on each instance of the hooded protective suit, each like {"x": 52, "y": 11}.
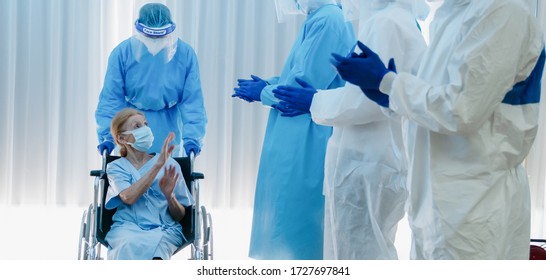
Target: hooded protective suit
{"x": 288, "y": 205}
{"x": 473, "y": 111}
{"x": 365, "y": 169}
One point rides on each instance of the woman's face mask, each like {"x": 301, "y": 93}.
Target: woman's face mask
{"x": 143, "y": 138}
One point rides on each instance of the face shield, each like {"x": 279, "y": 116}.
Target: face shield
{"x": 366, "y": 8}
{"x": 286, "y": 8}
{"x": 153, "y": 31}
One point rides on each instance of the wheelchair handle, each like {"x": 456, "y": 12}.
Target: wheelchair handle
{"x": 192, "y": 158}
{"x": 104, "y": 157}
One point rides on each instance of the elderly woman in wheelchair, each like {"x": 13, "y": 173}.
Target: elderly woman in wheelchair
{"x": 148, "y": 191}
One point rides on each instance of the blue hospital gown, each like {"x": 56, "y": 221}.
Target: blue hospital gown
{"x": 145, "y": 229}
{"x": 169, "y": 94}
{"x": 289, "y": 205}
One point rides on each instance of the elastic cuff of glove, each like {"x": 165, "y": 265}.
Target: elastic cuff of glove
{"x": 386, "y": 83}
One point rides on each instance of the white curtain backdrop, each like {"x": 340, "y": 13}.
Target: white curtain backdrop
{"x": 53, "y": 58}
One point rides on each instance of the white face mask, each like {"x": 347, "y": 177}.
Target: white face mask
{"x": 143, "y": 138}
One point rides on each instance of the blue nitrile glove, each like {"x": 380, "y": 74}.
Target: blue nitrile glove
{"x": 298, "y": 98}
{"x": 365, "y": 70}
{"x": 250, "y": 90}
{"x": 285, "y": 109}
{"x": 376, "y": 95}
{"x": 106, "y": 145}
{"x": 191, "y": 147}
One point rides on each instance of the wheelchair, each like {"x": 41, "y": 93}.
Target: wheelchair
{"x": 97, "y": 220}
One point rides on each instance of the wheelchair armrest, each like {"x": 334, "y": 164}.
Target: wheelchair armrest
{"x": 96, "y": 173}
{"x": 197, "y": 176}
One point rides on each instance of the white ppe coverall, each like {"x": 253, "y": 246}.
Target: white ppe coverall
{"x": 473, "y": 111}
{"x": 365, "y": 169}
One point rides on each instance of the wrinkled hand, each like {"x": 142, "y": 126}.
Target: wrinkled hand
{"x": 168, "y": 181}
{"x": 365, "y": 70}
{"x": 250, "y": 90}
{"x": 106, "y": 145}
{"x": 166, "y": 150}
{"x": 191, "y": 147}
{"x": 296, "y": 98}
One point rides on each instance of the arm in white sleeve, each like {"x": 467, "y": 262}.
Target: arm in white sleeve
{"x": 344, "y": 106}
{"x": 484, "y": 66}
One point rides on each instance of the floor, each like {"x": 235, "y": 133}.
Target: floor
{"x": 39, "y": 233}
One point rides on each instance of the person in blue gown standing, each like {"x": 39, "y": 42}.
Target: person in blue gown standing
{"x": 158, "y": 74}
{"x": 288, "y": 212}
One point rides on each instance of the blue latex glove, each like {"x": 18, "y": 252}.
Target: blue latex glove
{"x": 106, "y": 145}
{"x": 285, "y": 109}
{"x": 250, "y": 90}
{"x": 376, "y": 95}
{"x": 191, "y": 147}
{"x": 298, "y": 98}
{"x": 365, "y": 70}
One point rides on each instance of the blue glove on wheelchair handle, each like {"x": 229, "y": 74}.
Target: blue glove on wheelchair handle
{"x": 106, "y": 145}
{"x": 191, "y": 147}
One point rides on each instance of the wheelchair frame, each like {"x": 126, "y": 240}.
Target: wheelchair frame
{"x": 96, "y": 219}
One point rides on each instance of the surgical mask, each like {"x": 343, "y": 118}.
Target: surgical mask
{"x": 143, "y": 138}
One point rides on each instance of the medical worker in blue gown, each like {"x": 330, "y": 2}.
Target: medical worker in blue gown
{"x": 365, "y": 170}
{"x": 472, "y": 111}
{"x": 157, "y": 73}
{"x": 148, "y": 191}
{"x": 289, "y": 205}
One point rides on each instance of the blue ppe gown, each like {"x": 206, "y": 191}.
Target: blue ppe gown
{"x": 145, "y": 229}
{"x": 167, "y": 92}
{"x": 289, "y": 205}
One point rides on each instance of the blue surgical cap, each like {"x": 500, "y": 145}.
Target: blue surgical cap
{"x": 154, "y": 15}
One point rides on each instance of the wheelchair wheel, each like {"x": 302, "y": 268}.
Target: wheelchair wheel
{"x": 83, "y": 236}
{"x": 205, "y": 232}
{"x": 209, "y": 253}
